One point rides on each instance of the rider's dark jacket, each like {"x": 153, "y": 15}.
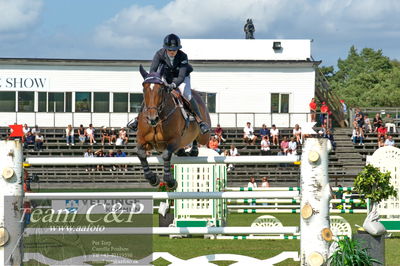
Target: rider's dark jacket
{"x": 176, "y": 72}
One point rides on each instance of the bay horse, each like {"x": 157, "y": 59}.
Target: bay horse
{"x": 161, "y": 126}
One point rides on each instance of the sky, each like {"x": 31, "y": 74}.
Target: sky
{"x": 134, "y": 29}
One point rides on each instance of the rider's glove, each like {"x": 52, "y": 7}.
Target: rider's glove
{"x": 172, "y": 86}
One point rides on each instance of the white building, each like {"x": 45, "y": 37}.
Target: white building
{"x": 261, "y": 81}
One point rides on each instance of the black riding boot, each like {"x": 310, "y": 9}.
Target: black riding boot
{"x": 204, "y": 128}
{"x": 133, "y": 124}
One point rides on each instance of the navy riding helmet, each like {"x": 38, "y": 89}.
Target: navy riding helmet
{"x": 172, "y": 42}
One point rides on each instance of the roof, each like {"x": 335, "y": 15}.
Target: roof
{"x": 242, "y": 49}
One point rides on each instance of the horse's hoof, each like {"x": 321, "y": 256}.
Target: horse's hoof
{"x": 194, "y": 152}
{"x": 154, "y": 180}
{"x": 172, "y": 184}
{"x": 181, "y": 153}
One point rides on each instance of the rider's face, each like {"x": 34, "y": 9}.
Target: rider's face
{"x": 172, "y": 52}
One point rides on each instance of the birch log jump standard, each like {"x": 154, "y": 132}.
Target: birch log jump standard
{"x": 11, "y": 181}
{"x": 314, "y": 206}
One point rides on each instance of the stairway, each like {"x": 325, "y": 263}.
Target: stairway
{"x": 324, "y": 93}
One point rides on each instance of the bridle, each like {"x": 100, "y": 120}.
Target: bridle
{"x": 159, "y": 108}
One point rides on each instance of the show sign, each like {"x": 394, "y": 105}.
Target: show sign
{"x": 24, "y": 83}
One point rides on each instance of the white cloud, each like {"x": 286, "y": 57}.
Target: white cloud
{"x": 18, "y": 15}
{"x": 138, "y": 26}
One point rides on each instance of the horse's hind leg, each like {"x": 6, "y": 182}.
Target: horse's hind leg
{"x": 148, "y": 174}
{"x": 171, "y": 183}
{"x": 194, "y": 151}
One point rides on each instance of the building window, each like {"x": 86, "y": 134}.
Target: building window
{"x": 101, "y": 102}
{"x": 56, "y": 102}
{"x": 210, "y": 100}
{"x": 26, "y": 101}
{"x": 7, "y": 101}
{"x": 68, "y": 102}
{"x": 279, "y": 103}
{"x": 42, "y": 107}
{"x": 136, "y": 100}
{"x": 120, "y": 102}
{"x": 83, "y": 101}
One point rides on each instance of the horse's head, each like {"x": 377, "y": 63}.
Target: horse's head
{"x": 153, "y": 93}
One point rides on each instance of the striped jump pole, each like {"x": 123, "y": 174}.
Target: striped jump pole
{"x": 160, "y": 195}
{"x": 261, "y": 201}
{"x": 167, "y": 230}
{"x": 262, "y": 189}
{"x": 54, "y": 161}
{"x": 264, "y": 210}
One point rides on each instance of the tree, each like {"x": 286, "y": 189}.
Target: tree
{"x": 366, "y": 78}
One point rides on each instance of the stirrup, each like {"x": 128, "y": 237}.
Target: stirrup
{"x": 204, "y": 128}
{"x": 133, "y": 124}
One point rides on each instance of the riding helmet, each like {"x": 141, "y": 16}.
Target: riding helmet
{"x": 172, "y": 42}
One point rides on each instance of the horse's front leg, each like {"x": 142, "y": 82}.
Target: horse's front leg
{"x": 171, "y": 182}
{"x": 153, "y": 179}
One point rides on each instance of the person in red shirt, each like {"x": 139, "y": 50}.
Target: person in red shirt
{"x": 324, "y": 113}
{"x": 219, "y": 133}
{"x": 382, "y": 132}
{"x": 214, "y": 144}
{"x": 313, "y": 110}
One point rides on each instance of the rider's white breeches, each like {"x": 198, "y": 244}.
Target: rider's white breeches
{"x": 186, "y": 89}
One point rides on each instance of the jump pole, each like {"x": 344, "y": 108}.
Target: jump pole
{"x": 11, "y": 180}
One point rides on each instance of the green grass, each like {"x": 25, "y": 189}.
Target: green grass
{"x": 192, "y": 247}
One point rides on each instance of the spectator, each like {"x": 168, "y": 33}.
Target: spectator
{"x": 367, "y": 124}
{"x": 88, "y": 154}
{"x": 344, "y": 107}
{"x": 105, "y": 135}
{"x": 111, "y": 154}
{"x": 389, "y": 123}
{"x": 281, "y": 152}
{"x": 264, "y": 131}
{"x": 35, "y": 130}
{"x": 99, "y": 153}
{"x": 233, "y": 151}
{"x": 90, "y": 131}
{"x": 26, "y": 129}
{"x": 313, "y": 110}
{"x": 121, "y": 154}
{"x": 377, "y": 122}
{"x": 122, "y": 135}
{"x": 214, "y": 144}
{"x": 284, "y": 144}
{"x": 230, "y": 166}
{"x": 324, "y": 114}
{"x": 265, "y": 146}
{"x": 219, "y": 133}
{"x": 389, "y": 141}
{"x": 265, "y": 182}
{"x": 382, "y": 132}
{"x": 252, "y": 183}
{"x": 292, "y": 145}
{"x": 69, "y": 132}
{"x": 291, "y": 152}
{"x": 329, "y": 136}
{"x": 357, "y": 137}
{"x": 381, "y": 142}
{"x": 29, "y": 140}
{"x": 249, "y": 136}
{"x": 113, "y": 136}
{"x": 39, "y": 142}
{"x": 297, "y": 133}
{"x": 275, "y": 135}
{"x": 82, "y": 134}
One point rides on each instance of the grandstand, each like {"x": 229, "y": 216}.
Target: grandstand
{"x": 344, "y": 163}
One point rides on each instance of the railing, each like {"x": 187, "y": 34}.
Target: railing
{"x": 225, "y": 119}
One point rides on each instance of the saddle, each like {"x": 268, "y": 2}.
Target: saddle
{"x": 184, "y": 107}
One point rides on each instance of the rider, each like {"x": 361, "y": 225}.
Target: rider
{"x": 176, "y": 72}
